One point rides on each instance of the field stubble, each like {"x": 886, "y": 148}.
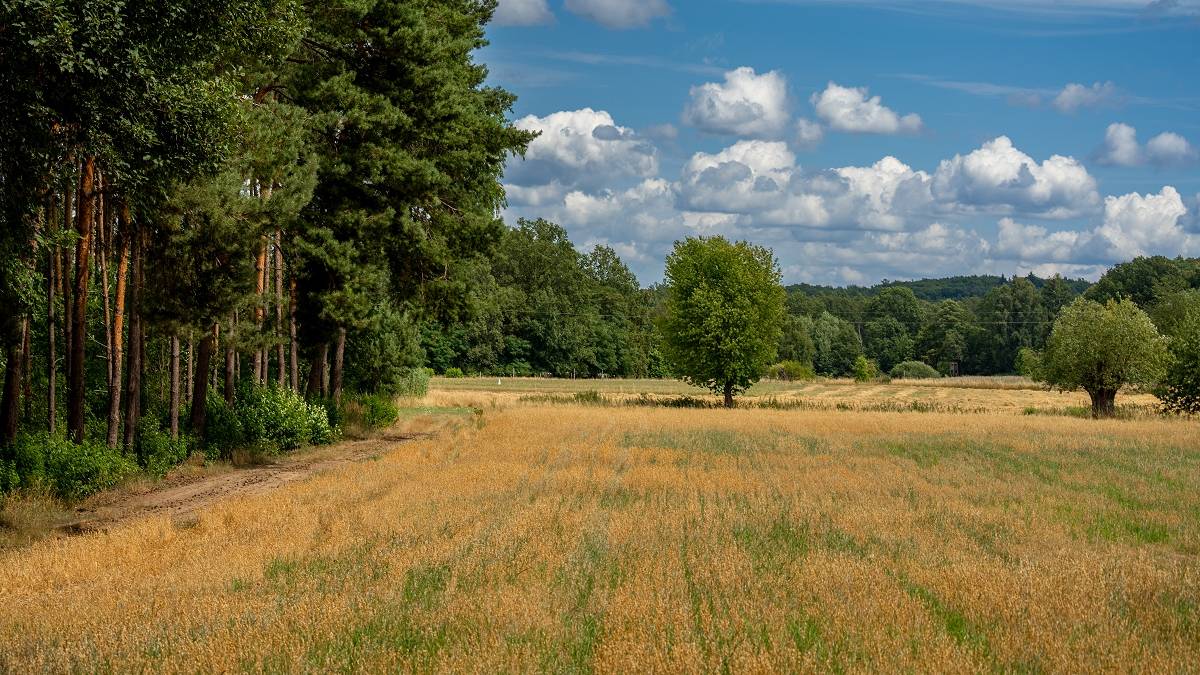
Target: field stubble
{"x": 582, "y": 538}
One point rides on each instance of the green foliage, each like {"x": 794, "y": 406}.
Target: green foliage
{"x": 836, "y": 344}
{"x": 721, "y": 324}
{"x": 1180, "y": 387}
{"x": 1101, "y": 348}
{"x": 271, "y": 413}
{"x": 385, "y": 356}
{"x": 369, "y": 411}
{"x": 791, "y": 371}
{"x": 1029, "y": 363}
{"x": 1145, "y": 280}
{"x": 914, "y": 370}
{"x": 796, "y": 344}
{"x": 70, "y": 471}
{"x": 158, "y": 453}
{"x": 453, "y": 372}
{"x": 864, "y": 369}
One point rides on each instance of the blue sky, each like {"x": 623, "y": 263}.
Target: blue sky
{"x": 861, "y": 139}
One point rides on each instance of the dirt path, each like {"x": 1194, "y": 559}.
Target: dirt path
{"x": 184, "y": 493}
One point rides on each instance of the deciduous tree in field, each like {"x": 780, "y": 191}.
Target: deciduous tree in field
{"x": 1101, "y": 348}
{"x": 724, "y": 309}
{"x": 1178, "y": 317}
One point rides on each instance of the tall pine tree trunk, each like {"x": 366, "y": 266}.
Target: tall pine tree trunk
{"x": 279, "y": 350}
{"x": 118, "y": 331}
{"x": 191, "y": 369}
{"x": 64, "y": 279}
{"x": 294, "y": 356}
{"x": 10, "y": 398}
{"x": 260, "y": 291}
{"x": 77, "y": 389}
{"x": 27, "y": 368}
{"x": 230, "y": 361}
{"x": 339, "y": 355}
{"x": 133, "y": 389}
{"x": 316, "y": 373}
{"x": 174, "y": 404}
{"x": 204, "y": 354}
{"x": 51, "y": 346}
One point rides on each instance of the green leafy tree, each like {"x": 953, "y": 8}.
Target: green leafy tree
{"x": 836, "y": 345}
{"x": 942, "y": 341}
{"x": 722, "y": 321}
{"x": 1145, "y": 280}
{"x": 797, "y": 343}
{"x": 1102, "y": 348}
{"x": 1178, "y": 317}
{"x": 1010, "y": 317}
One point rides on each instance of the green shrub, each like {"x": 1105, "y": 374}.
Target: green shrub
{"x": 453, "y": 372}
{"x": 414, "y": 383}
{"x": 76, "y": 471}
{"x": 369, "y": 411}
{"x": 791, "y": 371}
{"x": 864, "y": 369}
{"x": 272, "y": 413}
{"x": 320, "y": 432}
{"x": 914, "y": 370}
{"x": 277, "y": 414}
{"x": 159, "y": 454}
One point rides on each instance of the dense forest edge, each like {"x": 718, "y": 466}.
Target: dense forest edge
{"x": 256, "y": 225}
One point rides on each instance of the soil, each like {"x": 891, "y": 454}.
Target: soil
{"x": 190, "y": 489}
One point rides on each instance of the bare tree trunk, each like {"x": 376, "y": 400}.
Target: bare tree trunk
{"x": 27, "y": 368}
{"x": 77, "y": 386}
{"x": 9, "y": 408}
{"x": 316, "y": 373}
{"x": 51, "y": 346}
{"x": 118, "y": 332}
{"x": 174, "y": 404}
{"x": 339, "y": 355}
{"x": 728, "y": 394}
{"x": 64, "y": 280}
{"x": 191, "y": 370}
{"x": 1104, "y": 403}
{"x": 279, "y": 350}
{"x": 230, "y": 361}
{"x": 260, "y": 290}
{"x": 294, "y": 335}
{"x": 200, "y": 383}
{"x": 102, "y": 257}
{"x": 133, "y": 390}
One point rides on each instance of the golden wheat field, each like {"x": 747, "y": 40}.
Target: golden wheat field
{"x": 558, "y": 535}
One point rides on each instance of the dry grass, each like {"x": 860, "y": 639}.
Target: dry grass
{"x": 618, "y": 539}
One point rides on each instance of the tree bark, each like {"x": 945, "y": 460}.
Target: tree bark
{"x": 200, "y": 383}
{"x": 279, "y": 350}
{"x": 260, "y": 292}
{"x": 133, "y": 390}
{"x": 339, "y": 356}
{"x": 9, "y": 408}
{"x": 102, "y": 239}
{"x": 118, "y": 333}
{"x": 191, "y": 370}
{"x": 174, "y": 404}
{"x": 316, "y": 374}
{"x": 1104, "y": 403}
{"x": 294, "y": 357}
{"x": 27, "y": 367}
{"x": 728, "y": 394}
{"x": 51, "y": 346}
{"x": 64, "y": 279}
{"x": 77, "y": 386}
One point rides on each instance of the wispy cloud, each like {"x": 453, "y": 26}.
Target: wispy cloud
{"x": 599, "y": 59}
{"x": 1059, "y": 97}
{"x": 1045, "y": 8}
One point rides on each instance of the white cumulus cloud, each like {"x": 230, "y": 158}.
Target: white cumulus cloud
{"x": 853, "y": 110}
{"x": 581, "y": 148}
{"x": 620, "y": 13}
{"x": 745, "y": 104}
{"x": 1075, "y": 96}
{"x": 1121, "y": 148}
{"x": 809, "y": 134}
{"x": 1000, "y": 178}
{"x": 523, "y": 13}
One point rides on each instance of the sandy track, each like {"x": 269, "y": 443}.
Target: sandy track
{"x": 183, "y": 494}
